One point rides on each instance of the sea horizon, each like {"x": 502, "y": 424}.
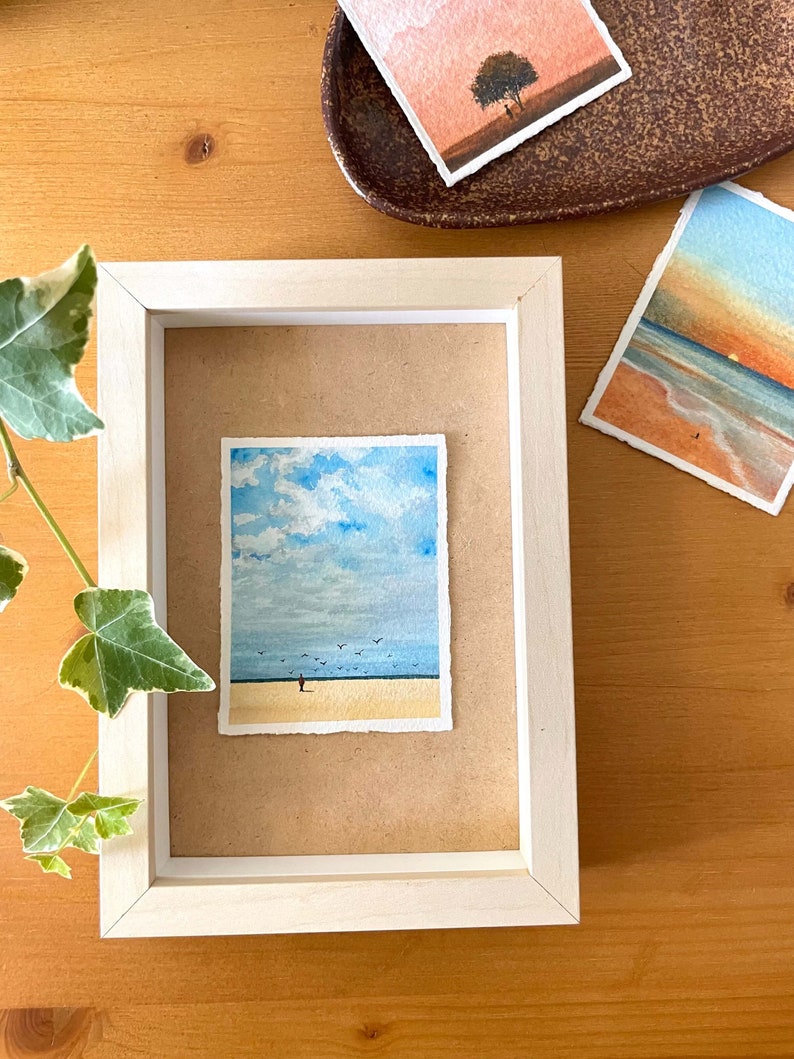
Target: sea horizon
{"x": 753, "y": 393}
{"x": 252, "y": 663}
{"x": 340, "y": 676}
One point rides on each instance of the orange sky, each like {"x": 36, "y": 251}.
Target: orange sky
{"x": 696, "y": 304}
{"x": 435, "y": 47}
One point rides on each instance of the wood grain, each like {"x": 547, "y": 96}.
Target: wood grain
{"x": 683, "y": 635}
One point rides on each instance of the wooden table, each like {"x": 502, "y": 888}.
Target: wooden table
{"x": 684, "y": 624}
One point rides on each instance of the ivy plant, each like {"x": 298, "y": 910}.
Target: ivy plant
{"x": 44, "y": 328}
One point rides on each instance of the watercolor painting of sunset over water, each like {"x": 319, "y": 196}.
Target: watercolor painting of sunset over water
{"x": 703, "y": 373}
{"x": 477, "y": 79}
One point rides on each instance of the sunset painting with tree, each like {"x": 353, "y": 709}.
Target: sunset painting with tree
{"x": 474, "y": 81}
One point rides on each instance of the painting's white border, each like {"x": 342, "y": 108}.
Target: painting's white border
{"x": 442, "y": 723}
{"x": 588, "y": 416}
{"x": 452, "y": 177}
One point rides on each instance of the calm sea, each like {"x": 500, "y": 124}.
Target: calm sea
{"x": 326, "y": 661}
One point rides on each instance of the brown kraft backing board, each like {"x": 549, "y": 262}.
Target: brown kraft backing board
{"x": 264, "y": 795}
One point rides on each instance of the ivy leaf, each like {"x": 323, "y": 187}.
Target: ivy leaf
{"x": 51, "y": 862}
{"x": 44, "y": 326}
{"x": 45, "y": 823}
{"x": 48, "y": 825}
{"x": 125, "y": 651}
{"x": 110, "y": 812}
{"x": 86, "y": 838}
{"x": 13, "y": 568}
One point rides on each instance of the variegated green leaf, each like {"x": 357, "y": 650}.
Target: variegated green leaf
{"x": 45, "y": 824}
{"x": 51, "y": 862}
{"x": 111, "y": 813}
{"x": 13, "y": 568}
{"x": 86, "y": 838}
{"x": 125, "y": 651}
{"x": 44, "y": 328}
{"x": 48, "y": 826}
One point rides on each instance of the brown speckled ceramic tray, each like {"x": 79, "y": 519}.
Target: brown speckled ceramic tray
{"x": 712, "y": 96}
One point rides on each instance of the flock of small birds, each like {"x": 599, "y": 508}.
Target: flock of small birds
{"x": 357, "y": 668}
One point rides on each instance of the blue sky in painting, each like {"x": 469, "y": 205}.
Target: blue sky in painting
{"x": 334, "y": 545}
{"x": 750, "y": 248}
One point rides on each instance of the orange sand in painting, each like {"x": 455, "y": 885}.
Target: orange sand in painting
{"x": 280, "y": 701}
{"x": 638, "y": 404}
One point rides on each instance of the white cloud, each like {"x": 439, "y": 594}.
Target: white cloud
{"x": 272, "y": 600}
{"x": 370, "y": 580}
{"x": 281, "y": 463}
{"x": 243, "y": 472}
{"x": 244, "y": 518}
{"x": 309, "y": 511}
{"x": 378, "y": 493}
{"x": 260, "y": 543}
{"x": 372, "y": 491}
{"x": 303, "y": 593}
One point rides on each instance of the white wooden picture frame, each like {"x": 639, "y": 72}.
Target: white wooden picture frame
{"x": 145, "y": 891}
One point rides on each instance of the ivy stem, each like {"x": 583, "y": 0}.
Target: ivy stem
{"x": 10, "y": 491}
{"x": 81, "y": 777}
{"x": 16, "y": 474}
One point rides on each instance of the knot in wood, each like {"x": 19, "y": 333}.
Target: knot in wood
{"x": 199, "y": 148}
{"x": 59, "y": 1033}
{"x": 371, "y": 1032}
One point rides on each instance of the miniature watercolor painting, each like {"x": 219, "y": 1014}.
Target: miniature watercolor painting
{"x": 703, "y": 373}
{"x": 475, "y": 79}
{"x": 335, "y": 585}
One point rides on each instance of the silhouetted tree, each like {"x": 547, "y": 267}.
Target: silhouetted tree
{"x": 502, "y": 76}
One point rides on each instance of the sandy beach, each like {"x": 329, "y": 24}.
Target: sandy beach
{"x": 334, "y": 700}
{"x": 638, "y": 404}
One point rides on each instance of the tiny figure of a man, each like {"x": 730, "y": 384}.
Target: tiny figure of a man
{"x": 508, "y": 111}
{"x": 301, "y": 682}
